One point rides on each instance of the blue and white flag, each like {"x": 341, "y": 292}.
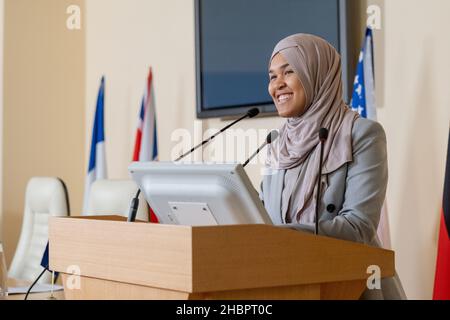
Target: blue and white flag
{"x": 363, "y": 98}
{"x": 45, "y": 261}
{"x": 363, "y": 102}
{"x": 97, "y": 159}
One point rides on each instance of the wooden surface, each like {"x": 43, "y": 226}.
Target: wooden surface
{"x": 95, "y": 289}
{"x": 162, "y": 261}
{"x": 345, "y": 290}
{"x": 138, "y": 253}
{"x": 300, "y": 292}
{"x": 240, "y": 257}
{"x": 99, "y": 289}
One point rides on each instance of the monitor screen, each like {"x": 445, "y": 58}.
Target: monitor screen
{"x": 199, "y": 194}
{"x": 235, "y": 39}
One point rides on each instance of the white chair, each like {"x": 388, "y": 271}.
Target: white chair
{"x": 113, "y": 197}
{"x": 44, "y": 197}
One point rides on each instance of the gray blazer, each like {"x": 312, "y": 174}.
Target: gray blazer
{"x": 352, "y": 200}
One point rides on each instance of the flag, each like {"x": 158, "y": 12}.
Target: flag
{"x": 97, "y": 159}
{"x": 45, "y": 262}
{"x": 363, "y": 98}
{"x": 363, "y": 102}
{"x": 442, "y": 277}
{"x": 146, "y": 143}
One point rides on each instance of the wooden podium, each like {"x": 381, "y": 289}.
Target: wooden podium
{"x": 120, "y": 260}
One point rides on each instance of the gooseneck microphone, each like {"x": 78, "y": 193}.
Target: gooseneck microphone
{"x": 323, "y": 136}
{"x": 134, "y": 207}
{"x": 271, "y": 137}
{"x": 135, "y": 202}
{"x": 250, "y": 114}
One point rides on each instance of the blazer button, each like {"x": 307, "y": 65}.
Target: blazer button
{"x": 331, "y": 208}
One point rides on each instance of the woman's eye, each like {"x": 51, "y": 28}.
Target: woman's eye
{"x": 272, "y": 78}
{"x": 289, "y": 71}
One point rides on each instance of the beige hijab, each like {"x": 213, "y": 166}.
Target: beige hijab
{"x": 318, "y": 66}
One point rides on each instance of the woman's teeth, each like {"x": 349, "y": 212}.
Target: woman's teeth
{"x": 284, "y": 97}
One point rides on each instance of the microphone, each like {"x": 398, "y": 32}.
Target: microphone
{"x": 271, "y": 137}
{"x": 250, "y": 114}
{"x": 135, "y": 202}
{"x": 323, "y": 136}
{"x": 134, "y": 207}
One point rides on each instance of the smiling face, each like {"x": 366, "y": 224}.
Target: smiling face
{"x": 286, "y": 89}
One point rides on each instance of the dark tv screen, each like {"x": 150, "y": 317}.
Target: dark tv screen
{"x": 234, "y": 41}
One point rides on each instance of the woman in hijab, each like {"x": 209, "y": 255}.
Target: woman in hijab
{"x": 306, "y": 87}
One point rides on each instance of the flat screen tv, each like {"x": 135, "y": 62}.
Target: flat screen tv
{"x": 234, "y": 41}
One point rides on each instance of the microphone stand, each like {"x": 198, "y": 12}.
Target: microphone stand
{"x": 250, "y": 114}
{"x": 271, "y": 137}
{"x": 323, "y": 136}
{"x": 135, "y": 202}
{"x": 254, "y": 154}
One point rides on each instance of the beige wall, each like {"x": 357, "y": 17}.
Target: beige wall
{"x": 2, "y": 4}
{"x": 43, "y": 123}
{"x": 125, "y": 38}
{"x": 415, "y": 112}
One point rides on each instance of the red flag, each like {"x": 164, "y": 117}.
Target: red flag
{"x": 146, "y": 144}
{"x": 442, "y": 278}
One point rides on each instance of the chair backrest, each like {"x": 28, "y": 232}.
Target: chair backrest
{"x": 113, "y": 197}
{"x": 44, "y": 197}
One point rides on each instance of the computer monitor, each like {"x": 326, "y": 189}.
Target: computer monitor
{"x": 199, "y": 194}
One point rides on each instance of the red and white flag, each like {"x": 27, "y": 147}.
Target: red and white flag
{"x": 146, "y": 143}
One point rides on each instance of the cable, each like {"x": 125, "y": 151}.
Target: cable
{"x": 34, "y": 283}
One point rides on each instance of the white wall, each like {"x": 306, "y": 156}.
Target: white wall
{"x": 124, "y": 37}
